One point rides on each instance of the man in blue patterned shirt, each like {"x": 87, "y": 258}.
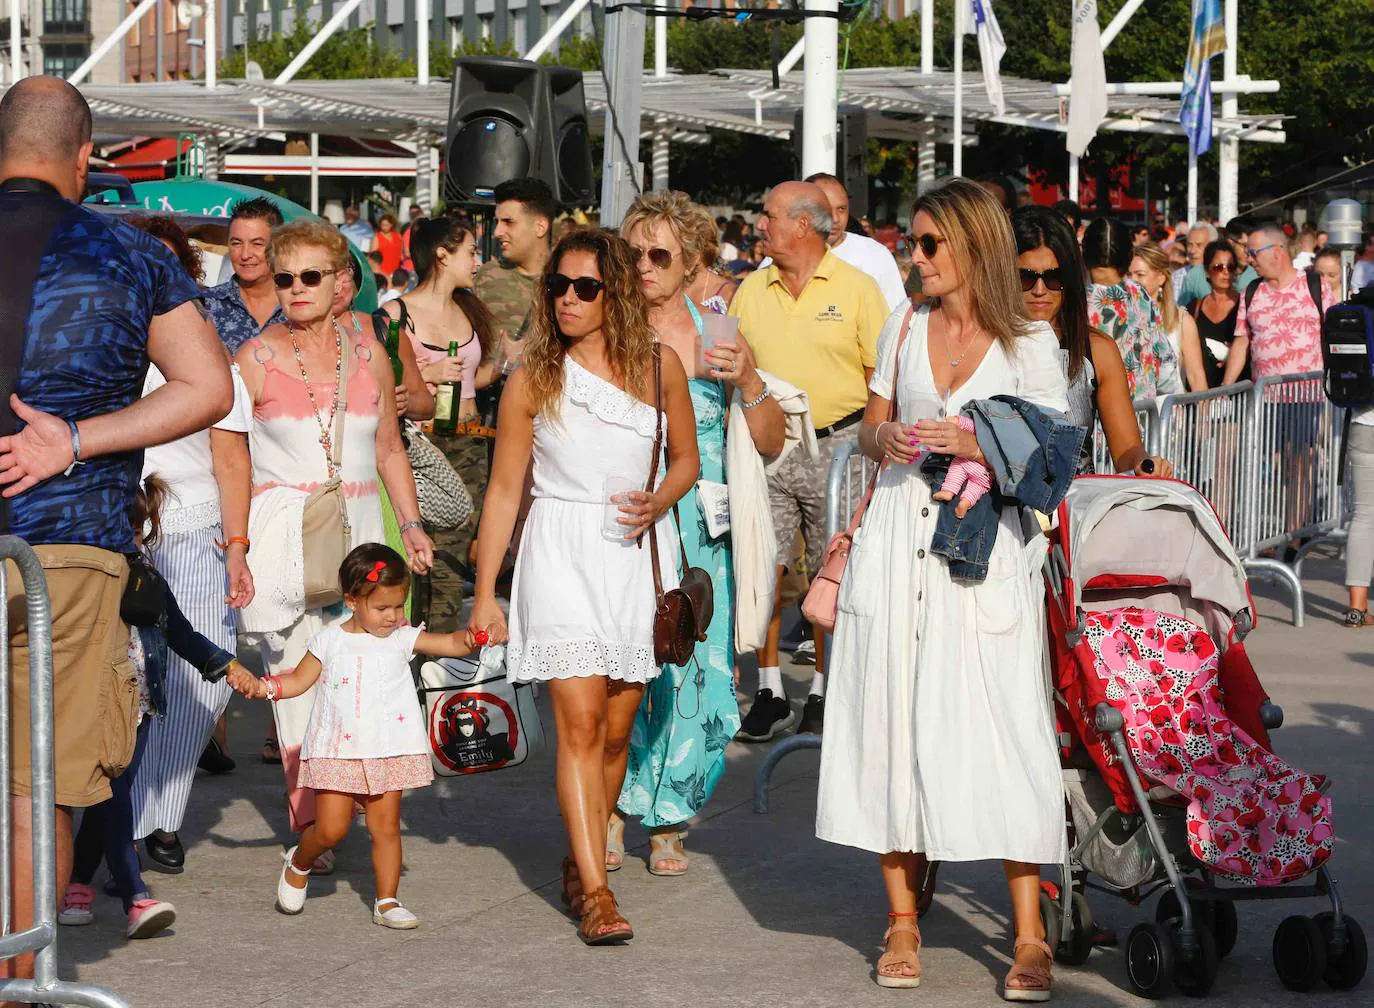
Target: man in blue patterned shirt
{"x": 246, "y": 304}
{"x": 85, "y": 302}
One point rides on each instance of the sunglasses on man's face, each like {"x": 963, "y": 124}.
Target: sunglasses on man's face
{"x": 310, "y": 277}
{"x": 928, "y": 244}
{"x": 1256, "y": 253}
{"x": 586, "y": 288}
{"x": 659, "y": 258}
{"x": 1052, "y": 278}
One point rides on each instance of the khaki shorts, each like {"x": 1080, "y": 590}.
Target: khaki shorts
{"x": 95, "y": 690}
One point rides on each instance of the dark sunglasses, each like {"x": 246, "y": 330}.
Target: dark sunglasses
{"x": 1224, "y": 268}
{"x": 928, "y": 244}
{"x": 659, "y": 258}
{"x": 310, "y": 277}
{"x": 1052, "y": 278}
{"x": 586, "y": 288}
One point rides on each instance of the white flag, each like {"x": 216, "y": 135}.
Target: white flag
{"x": 980, "y": 20}
{"x": 1088, "y": 85}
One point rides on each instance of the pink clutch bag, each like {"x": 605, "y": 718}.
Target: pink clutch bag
{"x": 823, "y": 597}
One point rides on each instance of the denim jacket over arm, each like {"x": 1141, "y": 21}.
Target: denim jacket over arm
{"x": 173, "y": 630}
{"x": 1032, "y": 453}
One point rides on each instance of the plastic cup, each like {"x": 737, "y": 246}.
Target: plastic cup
{"x": 715, "y": 329}
{"x": 613, "y": 488}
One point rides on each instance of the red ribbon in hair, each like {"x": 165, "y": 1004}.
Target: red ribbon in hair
{"x": 376, "y": 571}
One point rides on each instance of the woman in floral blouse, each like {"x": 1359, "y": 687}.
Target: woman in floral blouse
{"x": 1121, "y": 308}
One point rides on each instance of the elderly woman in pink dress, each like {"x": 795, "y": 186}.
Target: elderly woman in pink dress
{"x": 301, "y": 376}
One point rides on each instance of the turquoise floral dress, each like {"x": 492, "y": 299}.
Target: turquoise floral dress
{"x": 689, "y": 715}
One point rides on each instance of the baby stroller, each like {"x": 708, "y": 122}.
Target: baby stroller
{"x": 1170, "y": 781}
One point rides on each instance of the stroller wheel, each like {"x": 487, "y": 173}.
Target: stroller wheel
{"x": 1052, "y": 918}
{"x": 1076, "y": 946}
{"x": 1299, "y": 953}
{"x": 1150, "y": 960}
{"x": 1194, "y": 974}
{"x": 1217, "y": 916}
{"x": 1344, "y": 969}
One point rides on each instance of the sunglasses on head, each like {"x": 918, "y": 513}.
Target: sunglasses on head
{"x": 1224, "y": 268}
{"x": 928, "y": 243}
{"x": 659, "y": 258}
{"x": 310, "y": 277}
{"x": 586, "y": 288}
{"x": 1052, "y": 278}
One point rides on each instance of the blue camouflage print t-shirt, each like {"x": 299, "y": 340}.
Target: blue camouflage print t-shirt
{"x": 100, "y": 283}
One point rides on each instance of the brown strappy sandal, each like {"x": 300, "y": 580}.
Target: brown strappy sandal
{"x": 892, "y": 965}
{"x": 602, "y": 923}
{"x": 1029, "y": 983}
{"x": 571, "y": 880}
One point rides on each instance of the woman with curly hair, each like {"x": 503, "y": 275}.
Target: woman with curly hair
{"x": 581, "y": 409}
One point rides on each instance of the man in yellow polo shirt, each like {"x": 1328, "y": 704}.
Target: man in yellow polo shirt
{"x": 813, "y": 321}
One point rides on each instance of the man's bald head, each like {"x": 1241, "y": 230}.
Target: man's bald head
{"x": 43, "y": 118}
{"x": 45, "y": 132}
{"x": 796, "y": 220}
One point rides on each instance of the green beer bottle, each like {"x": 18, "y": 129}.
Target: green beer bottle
{"x": 393, "y": 348}
{"x": 447, "y": 401}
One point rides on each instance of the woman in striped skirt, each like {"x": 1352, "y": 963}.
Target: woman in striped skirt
{"x": 203, "y": 556}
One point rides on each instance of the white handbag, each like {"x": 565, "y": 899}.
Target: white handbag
{"x": 478, "y": 721}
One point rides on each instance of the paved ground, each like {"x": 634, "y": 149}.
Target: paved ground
{"x": 768, "y": 915}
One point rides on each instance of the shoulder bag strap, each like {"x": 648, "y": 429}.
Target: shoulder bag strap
{"x": 653, "y": 466}
{"x": 859, "y": 511}
{"x": 346, "y": 348}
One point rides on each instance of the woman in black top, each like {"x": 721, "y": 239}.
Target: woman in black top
{"x": 1216, "y": 312}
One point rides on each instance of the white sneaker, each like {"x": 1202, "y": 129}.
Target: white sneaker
{"x": 290, "y": 900}
{"x": 396, "y": 916}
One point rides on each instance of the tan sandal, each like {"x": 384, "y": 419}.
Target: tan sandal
{"x": 615, "y": 843}
{"x": 893, "y": 967}
{"x": 665, "y": 848}
{"x": 602, "y": 923}
{"x": 1029, "y": 983}
{"x": 571, "y": 894}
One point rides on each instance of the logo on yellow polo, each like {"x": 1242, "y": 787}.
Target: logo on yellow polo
{"x": 832, "y": 313}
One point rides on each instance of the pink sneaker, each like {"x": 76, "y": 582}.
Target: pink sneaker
{"x": 76, "y": 906}
{"x": 149, "y": 916}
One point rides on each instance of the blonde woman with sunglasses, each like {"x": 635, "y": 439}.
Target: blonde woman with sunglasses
{"x": 580, "y": 415}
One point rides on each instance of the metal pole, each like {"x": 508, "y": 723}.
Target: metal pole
{"x": 1073, "y": 177}
{"x": 314, "y": 173}
{"x": 422, "y": 42}
{"x": 958, "y": 87}
{"x": 157, "y": 34}
{"x": 556, "y": 29}
{"x": 820, "y": 81}
{"x": 793, "y": 56}
{"x": 661, "y": 156}
{"x": 212, "y": 44}
{"x": 16, "y": 41}
{"x": 321, "y": 37}
{"x": 623, "y": 58}
{"x": 925, "y": 154}
{"x": 99, "y": 52}
{"x": 1192, "y": 184}
{"x": 660, "y": 58}
{"x": 927, "y": 36}
{"x": 1228, "y": 157}
{"x": 1119, "y": 22}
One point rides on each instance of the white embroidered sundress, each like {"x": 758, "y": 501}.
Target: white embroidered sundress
{"x": 583, "y": 604}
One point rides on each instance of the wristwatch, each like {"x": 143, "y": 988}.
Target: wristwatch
{"x": 76, "y": 449}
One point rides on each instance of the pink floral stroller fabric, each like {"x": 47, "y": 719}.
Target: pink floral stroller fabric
{"x": 1251, "y": 817}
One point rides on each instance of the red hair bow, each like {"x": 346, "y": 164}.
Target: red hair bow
{"x": 376, "y": 571}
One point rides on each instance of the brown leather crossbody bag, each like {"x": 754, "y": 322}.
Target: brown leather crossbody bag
{"x": 682, "y": 614}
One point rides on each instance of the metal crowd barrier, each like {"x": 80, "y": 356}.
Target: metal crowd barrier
{"x": 846, "y": 481}
{"x": 1267, "y": 455}
{"x": 41, "y": 937}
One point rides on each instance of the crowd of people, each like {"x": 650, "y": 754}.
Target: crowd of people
{"x": 254, "y": 451}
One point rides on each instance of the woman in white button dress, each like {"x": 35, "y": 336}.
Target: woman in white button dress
{"x": 580, "y": 408}
{"x": 939, "y": 740}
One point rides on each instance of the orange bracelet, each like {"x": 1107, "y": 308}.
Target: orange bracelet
{"x": 235, "y": 539}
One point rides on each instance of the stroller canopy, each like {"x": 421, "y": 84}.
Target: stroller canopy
{"x": 1125, "y": 532}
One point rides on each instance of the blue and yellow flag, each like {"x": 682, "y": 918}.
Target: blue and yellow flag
{"x": 1195, "y": 105}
